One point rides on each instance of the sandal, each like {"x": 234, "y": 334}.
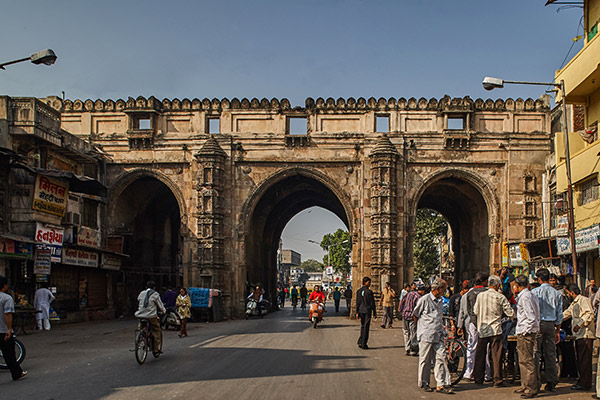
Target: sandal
{"x": 445, "y": 390}
{"x": 427, "y": 388}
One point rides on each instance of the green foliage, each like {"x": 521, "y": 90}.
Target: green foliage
{"x": 311, "y": 265}
{"x": 303, "y": 278}
{"x": 431, "y": 226}
{"x": 340, "y": 246}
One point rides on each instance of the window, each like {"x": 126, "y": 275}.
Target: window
{"x": 297, "y": 126}
{"x": 456, "y": 123}
{"x": 89, "y": 213}
{"x": 529, "y": 184}
{"x": 529, "y": 232}
{"x": 382, "y": 123}
{"x": 144, "y": 123}
{"x": 214, "y": 125}
{"x": 588, "y": 191}
{"x": 530, "y": 208}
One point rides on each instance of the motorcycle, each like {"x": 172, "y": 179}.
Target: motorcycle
{"x": 315, "y": 314}
{"x": 252, "y": 308}
{"x": 170, "y": 319}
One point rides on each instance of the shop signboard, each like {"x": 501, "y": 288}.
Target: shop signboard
{"x": 81, "y": 258}
{"x": 41, "y": 265}
{"x": 52, "y": 237}
{"x": 50, "y": 195}
{"x": 585, "y": 240}
{"x": 14, "y": 248}
{"x": 88, "y": 237}
{"x": 515, "y": 256}
{"x": 562, "y": 227}
{"x": 504, "y": 254}
{"x": 110, "y": 261}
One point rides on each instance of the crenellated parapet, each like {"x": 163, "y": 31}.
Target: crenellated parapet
{"x": 319, "y": 105}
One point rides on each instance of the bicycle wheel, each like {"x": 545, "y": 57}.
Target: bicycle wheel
{"x": 456, "y": 357}
{"x": 141, "y": 347}
{"x": 19, "y": 354}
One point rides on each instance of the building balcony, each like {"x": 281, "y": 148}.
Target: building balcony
{"x": 581, "y": 74}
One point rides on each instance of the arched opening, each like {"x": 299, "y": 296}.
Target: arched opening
{"x": 276, "y": 206}
{"x": 146, "y": 220}
{"x": 461, "y": 203}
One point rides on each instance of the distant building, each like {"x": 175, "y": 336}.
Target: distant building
{"x": 289, "y": 260}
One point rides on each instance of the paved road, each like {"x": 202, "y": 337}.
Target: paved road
{"x": 279, "y": 357}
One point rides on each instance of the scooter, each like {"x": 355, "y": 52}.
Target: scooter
{"x": 315, "y": 315}
{"x": 170, "y": 318}
{"x": 252, "y": 308}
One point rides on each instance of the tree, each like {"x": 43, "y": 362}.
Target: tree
{"x": 311, "y": 265}
{"x": 340, "y": 246}
{"x": 431, "y": 227}
{"x": 303, "y": 278}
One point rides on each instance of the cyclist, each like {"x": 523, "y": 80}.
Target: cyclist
{"x": 149, "y": 306}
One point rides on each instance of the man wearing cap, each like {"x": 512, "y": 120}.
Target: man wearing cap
{"x": 407, "y": 306}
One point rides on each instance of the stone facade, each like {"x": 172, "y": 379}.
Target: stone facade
{"x": 371, "y": 162}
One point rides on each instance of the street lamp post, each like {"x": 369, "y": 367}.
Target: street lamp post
{"x": 46, "y": 57}
{"x": 490, "y": 83}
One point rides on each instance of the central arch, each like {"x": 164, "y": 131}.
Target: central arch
{"x": 271, "y": 207}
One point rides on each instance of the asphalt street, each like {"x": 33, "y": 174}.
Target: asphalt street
{"x": 278, "y": 357}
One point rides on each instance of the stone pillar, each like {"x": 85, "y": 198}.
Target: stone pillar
{"x": 383, "y": 168}
{"x": 209, "y": 259}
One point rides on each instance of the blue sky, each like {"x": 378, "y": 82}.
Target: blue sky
{"x": 284, "y": 48}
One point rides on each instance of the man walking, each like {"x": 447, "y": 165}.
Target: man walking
{"x": 551, "y": 316}
{"x": 365, "y": 308}
{"x": 404, "y": 291}
{"x": 481, "y": 280}
{"x": 337, "y": 295}
{"x": 409, "y": 326}
{"x": 387, "y": 303}
{"x": 42, "y": 299}
{"x": 428, "y": 314}
{"x": 488, "y": 309}
{"x": 348, "y": 296}
{"x": 582, "y": 313}
{"x": 7, "y": 340}
{"x": 528, "y": 326}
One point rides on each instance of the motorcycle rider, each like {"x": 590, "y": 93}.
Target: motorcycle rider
{"x": 303, "y": 295}
{"x": 317, "y": 295}
{"x": 149, "y": 305}
{"x": 257, "y": 295}
{"x": 294, "y": 294}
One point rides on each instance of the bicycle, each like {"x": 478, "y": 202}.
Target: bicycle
{"x": 19, "y": 354}
{"x": 456, "y": 352}
{"x": 144, "y": 342}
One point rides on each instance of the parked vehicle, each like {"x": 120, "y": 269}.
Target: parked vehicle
{"x": 19, "y": 354}
{"x": 315, "y": 315}
{"x": 170, "y": 319}
{"x": 252, "y": 308}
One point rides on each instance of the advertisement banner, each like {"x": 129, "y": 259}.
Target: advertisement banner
{"x": 41, "y": 265}
{"x": 515, "y": 256}
{"x": 88, "y": 237}
{"x": 14, "y": 248}
{"x": 562, "y": 227}
{"x": 504, "y": 254}
{"x": 81, "y": 258}
{"x": 50, "y": 195}
{"x": 585, "y": 239}
{"x": 52, "y": 238}
{"x": 111, "y": 262}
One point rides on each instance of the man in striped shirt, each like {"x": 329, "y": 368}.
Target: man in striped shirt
{"x": 407, "y": 306}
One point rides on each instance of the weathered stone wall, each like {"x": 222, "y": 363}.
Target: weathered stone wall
{"x": 495, "y": 158}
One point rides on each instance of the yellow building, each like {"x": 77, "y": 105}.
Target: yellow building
{"x": 581, "y": 78}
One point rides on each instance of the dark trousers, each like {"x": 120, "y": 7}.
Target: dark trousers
{"x": 348, "y": 303}
{"x": 388, "y": 316}
{"x": 365, "y": 325}
{"x": 8, "y": 352}
{"x": 495, "y": 343}
{"x": 337, "y": 305}
{"x": 546, "y": 344}
{"x": 584, "y": 349}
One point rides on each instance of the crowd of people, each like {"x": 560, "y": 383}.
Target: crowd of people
{"x": 504, "y": 320}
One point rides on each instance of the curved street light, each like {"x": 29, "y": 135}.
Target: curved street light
{"x": 46, "y": 57}
{"x": 490, "y": 83}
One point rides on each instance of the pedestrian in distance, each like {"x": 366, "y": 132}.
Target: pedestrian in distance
{"x": 42, "y": 299}
{"x": 582, "y": 315}
{"x": 387, "y": 303}
{"x": 348, "y": 297}
{"x": 528, "y": 327}
{"x": 551, "y": 316}
{"x": 7, "y": 338}
{"x": 428, "y": 314}
{"x": 409, "y": 325}
{"x": 488, "y": 309}
{"x": 590, "y": 289}
{"x": 365, "y": 309}
{"x": 184, "y": 309}
{"x": 337, "y": 296}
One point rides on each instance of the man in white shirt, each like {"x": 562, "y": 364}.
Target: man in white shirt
{"x": 149, "y": 306}
{"x": 43, "y": 298}
{"x": 528, "y": 326}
